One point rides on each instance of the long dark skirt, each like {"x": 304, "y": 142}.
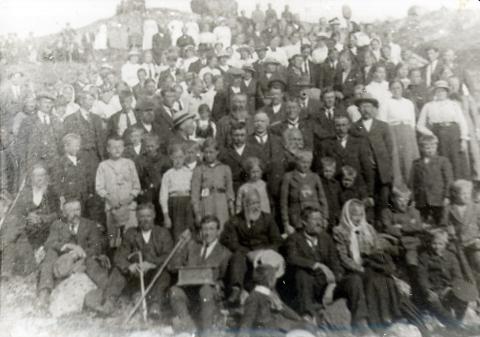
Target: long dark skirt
{"x": 181, "y": 213}
{"x": 449, "y": 146}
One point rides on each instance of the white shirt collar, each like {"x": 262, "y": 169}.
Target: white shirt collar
{"x": 263, "y": 290}
{"x": 240, "y": 149}
{"x": 210, "y": 248}
{"x": 192, "y": 165}
{"x": 138, "y": 148}
{"x": 148, "y": 127}
{"x": 146, "y": 235}
{"x": 73, "y": 159}
{"x": 276, "y": 108}
{"x": 45, "y": 118}
{"x": 37, "y": 196}
{"x": 367, "y": 124}
{"x": 85, "y": 114}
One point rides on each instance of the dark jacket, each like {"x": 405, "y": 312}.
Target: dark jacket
{"x": 263, "y": 234}
{"x": 430, "y": 182}
{"x": 156, "y": 251}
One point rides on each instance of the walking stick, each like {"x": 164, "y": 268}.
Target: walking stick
{"x": 179, "y": 244}
{"x": 22, "y": 186}
{"x": 142, "y": 288}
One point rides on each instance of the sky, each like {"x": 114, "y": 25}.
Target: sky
{"x": 49, "y": 16}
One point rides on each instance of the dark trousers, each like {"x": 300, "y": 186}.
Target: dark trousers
{"x": 310, "y": 287}
{"x": 94, "y": 270}
{"x": 119, "y": 282}
{"x": 442, "y": 309}
{"x": 449, "y": 146}
{"x": 202, "y": 298}
{"x": 432, "y": 214}
{"x": 18, "y": 258}
{"x": 239, "y": 268}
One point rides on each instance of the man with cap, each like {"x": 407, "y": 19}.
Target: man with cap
{"x": 249, "y": 85}
{"x": 379, "y": 136}
{"x": 223, "y": 66}
{"x": 260, "y": 53}
{"x": 196, "y": 66}
{"x": 172, "y": 71}
{"x": 195, "y": 98}
{"x": 309, "y": 69}
{"x": 145, "y": 112}
{"x": 119, "y": 122}
{"x": 139, "y": 88}
{"x": 268, "y": 71}
{"x": 310, "y": 106}
{"x": 276, "y": 110}
{"x": 183, "y": 128}
{"x": 295, "y": 74}
{"x": 324, "y": 117}
{"x": 327, "y": 70}
{"x": 165, "y": 113}
{"x": 41, "y": 136}
{"x": 130, "y": 68}
{"x": 90, "y": 129}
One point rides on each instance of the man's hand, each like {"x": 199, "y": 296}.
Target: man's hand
{"x": 432, "y": 296}
{"x": 463, "y": 145}
{"x": 167, "y": 222}
{"x": 104, "y": 261}
{"x": 33, "y": 218}
{"x": 446, "y": 202}
{"x": 145, "y": 266}
{"x": 253, "y": 254}
{"x": 186, "y": 235}
{"x": 289, "y": 229}
{"x": 133, "y": 268}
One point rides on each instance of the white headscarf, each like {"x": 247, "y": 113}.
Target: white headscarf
{"x": 362, "y": 237}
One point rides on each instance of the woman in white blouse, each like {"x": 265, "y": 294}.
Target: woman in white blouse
{"x": 444, "y": 118}
{"x": 399, "y": 113}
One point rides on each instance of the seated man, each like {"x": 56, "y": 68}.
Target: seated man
{"x": 74, "y": 244}
{"x": 207, "y": 253}
{"x": 318, "y": 272}
{"x": 247, "y": 234}
{"x": 155, "y": 244}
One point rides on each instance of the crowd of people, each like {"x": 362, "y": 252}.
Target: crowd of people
{"x": 299, "y": 166}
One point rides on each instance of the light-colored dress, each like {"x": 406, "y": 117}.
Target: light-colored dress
{"x": 400, "y": 115}
{"x": 212, "y": 190}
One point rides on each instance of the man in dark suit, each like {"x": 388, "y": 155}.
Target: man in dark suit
{"x": 326, "y": 70}
{"x": 89, "y": 127}
{"x": 310, "y": 106}
{"x": 293, "y": 120}
{"x": 245, "y": 235}
{"x": 164, "y": 114}
{"x": 379, "y": 136}
{"x": 120, "y": 121}
{"x": 196, "y": 66}
{"x": 160, "y": 42}
{"x": 346, "y": 149}
{"x": 184, "y": 39}
{"x": 433, "y": 70}
{"x": 155, "y": 244}
{"x": 235, "y": 154}
{"x": 71, "y": 239}
{"x": 268, "y": 73}
{"x": 319, "y": 276}
{"x": 347, "y": 76}
{"x": 309, "y": 68}
{"x": 271, "y": 149}
{"x": 139, "y": 89}
{"x": 323, "y": 119}
{"x": 208, "y": 253}
{"x": 172, "y": 70}
{"x": 276, "y": 110}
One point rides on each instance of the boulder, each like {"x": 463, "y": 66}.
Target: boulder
{"x": 69, "y": 295}
{"x": 402, "y": 330}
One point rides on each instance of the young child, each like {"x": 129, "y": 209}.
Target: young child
{"x": 118, "y": 184}
{"x": 73, "y": 173}
{"x": 134, "y": 142}
{"x": 441, "y": 288}
{"x": 175, "y": 196}
{"x": 463, "y": 220}
{"x": 254, "y": 169}
{"x": 403, "y": 222}
{"x": 332, "y": 189}
{"x": 265, "y": 314}
{"x": 193, "y": 154}
{"x": 430, "y": 181}
{"x": 205, "y": 127}
{"x": 301, "y": 188}
{"x": 212, "y": 186}
{"x": 351, "y": 188}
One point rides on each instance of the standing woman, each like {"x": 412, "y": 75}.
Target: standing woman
{"x": 399, "y": 113}
{"x": 444, "y": 119}
{"x": 470, "y": 112}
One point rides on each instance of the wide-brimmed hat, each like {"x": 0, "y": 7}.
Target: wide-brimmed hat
{"x": 366, "y": 99}
{"x": 277, "y": 82}
{"x": 271, "y": 60}
{"x": 304, "y": 82}
{"x": 145, "y": 105}
{"x": 46, "y": 94}
{"x": 261, "y": 47}
{"x": 181, "y": 118}
{"x": 248, "y": 68}
{"x": 441, "y": 84}
{"x": 233, "y": 71}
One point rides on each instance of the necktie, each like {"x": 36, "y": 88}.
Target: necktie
{"x": 72, "y": 229}
{"x": 129, "y": 124}
{"x": 204, "y": 251}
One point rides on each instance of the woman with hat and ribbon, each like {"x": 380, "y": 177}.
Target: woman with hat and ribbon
{"x": 444, "y": 118}
{"x": 130, "y": 68}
